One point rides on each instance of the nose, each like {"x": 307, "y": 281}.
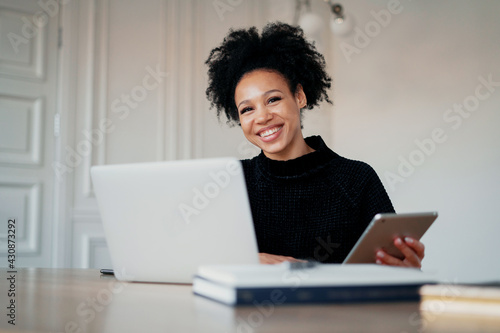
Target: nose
{"x": 263, "y": 115}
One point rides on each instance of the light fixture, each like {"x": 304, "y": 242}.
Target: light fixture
{"x": 340, "y": 23}
{"x": 310, "y": 22}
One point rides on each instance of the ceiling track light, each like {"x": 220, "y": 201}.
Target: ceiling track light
{"x": 311, "y": 23}
{"x": 340, "y": 23}
{"x": 338, "y": 12}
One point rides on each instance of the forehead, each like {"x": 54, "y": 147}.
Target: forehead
{"x": 260, "y": 81}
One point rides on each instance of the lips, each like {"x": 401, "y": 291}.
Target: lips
{"x": 270, "y": 130}
{"x": 270, "y": 133}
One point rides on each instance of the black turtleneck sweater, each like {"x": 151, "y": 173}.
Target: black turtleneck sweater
{"x": 315, "y": 206}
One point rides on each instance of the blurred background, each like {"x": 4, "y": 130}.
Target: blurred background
{"x": 85, "y": 82}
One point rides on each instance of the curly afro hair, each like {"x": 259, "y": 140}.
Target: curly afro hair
{"x": 281, "y": 48}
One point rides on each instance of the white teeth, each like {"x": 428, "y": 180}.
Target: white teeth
{"x": 271, "y": 131}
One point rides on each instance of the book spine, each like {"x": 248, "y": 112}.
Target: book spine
{"x": 252, "y": 296}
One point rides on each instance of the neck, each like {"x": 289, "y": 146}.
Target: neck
{"x": 293, "y": 151}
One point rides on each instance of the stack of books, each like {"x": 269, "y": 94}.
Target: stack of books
{"x": 461, "y": 299}
{"x": 289, "y": 283}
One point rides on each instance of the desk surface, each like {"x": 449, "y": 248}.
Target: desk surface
{"x": 81, "y": 300}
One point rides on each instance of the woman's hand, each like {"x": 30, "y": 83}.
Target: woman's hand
{"x": 266, "y": 258}
{"x": 412, "y": 249}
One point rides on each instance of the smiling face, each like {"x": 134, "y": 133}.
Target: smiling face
{"x": 270, "y": 114}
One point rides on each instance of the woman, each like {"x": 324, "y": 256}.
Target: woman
{"x": 307, "y": 202}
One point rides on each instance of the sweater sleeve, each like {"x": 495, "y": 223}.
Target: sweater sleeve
{"x": 374, "y": 198}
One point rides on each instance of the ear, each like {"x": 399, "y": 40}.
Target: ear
{"x": 300, "y": 96}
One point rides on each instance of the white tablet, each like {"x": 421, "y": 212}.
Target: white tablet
{"x": 382, "y": 231}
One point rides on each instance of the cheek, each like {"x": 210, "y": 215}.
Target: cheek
{"x": 245, "y": 125}
{"x": 292, "y": 114}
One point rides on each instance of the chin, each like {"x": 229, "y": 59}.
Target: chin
{"x": 273, "y": 150}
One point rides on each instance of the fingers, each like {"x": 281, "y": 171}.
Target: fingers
{"x": 383, "y": 258}
{"x": 412, "y": 249}
{"x": 267, "y": 259}
{"x": 411, "y": 257}
{"x": 271, "y": 259}
{"x": 416, "y": 245}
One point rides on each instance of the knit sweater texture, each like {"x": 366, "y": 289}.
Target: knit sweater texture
{"x": 315, "y": 206}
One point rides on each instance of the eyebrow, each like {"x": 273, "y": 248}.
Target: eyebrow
{"x": 264, "y": 94}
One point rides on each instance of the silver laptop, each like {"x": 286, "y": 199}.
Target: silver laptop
{"x": 164, "y": 219}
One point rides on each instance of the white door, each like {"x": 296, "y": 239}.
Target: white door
{"x": 28, "y": 74}
{"x": 139, "y": 96}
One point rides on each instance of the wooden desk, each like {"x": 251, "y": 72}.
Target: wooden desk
{"x": 73, "y": 300}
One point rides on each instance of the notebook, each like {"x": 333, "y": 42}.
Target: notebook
{"x": 164, "y": 219}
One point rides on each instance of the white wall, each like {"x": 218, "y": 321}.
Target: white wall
{"x": 399, "y": 88}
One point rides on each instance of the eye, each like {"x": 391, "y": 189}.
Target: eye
{"x": 273, "y": 99}
{"x": 242, "y": 111}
